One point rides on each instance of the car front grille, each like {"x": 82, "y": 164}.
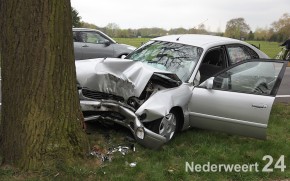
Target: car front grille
{"x": 101, "y": 95}
{"x": 104, "y": 114}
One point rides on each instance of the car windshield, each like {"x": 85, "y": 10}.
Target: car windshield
{"x": 173, "y": 57}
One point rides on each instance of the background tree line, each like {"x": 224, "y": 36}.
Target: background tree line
{"x": 113, "y": 30}
{"x": 278, "y": 30}
{"x": 235, "y": 28}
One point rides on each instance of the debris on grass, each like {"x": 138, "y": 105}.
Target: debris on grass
{"x": 107, "y": 155}
{"x": 109, "y": 144}
{"x": 133, "y": 164}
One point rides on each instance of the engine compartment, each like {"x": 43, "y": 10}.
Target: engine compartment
{"x": 157, "y": 82}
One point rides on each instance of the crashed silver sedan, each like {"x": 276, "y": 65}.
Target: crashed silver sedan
{"x": 176, "y": 82}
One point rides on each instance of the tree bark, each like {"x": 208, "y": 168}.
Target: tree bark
{"x": 41, "y": 121}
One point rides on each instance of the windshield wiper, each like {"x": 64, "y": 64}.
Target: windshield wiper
{"x": 151, "y": 61}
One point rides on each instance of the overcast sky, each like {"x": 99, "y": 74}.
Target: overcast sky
{"x": 180, "y": 13}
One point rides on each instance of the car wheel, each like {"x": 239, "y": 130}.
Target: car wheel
{"x": 167, "y": 126}
{"x": 123, "y": 56}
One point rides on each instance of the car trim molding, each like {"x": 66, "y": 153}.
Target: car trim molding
{"x": 236, "y": 121}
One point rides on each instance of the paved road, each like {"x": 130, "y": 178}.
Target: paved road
{"x": 283, "y": 94}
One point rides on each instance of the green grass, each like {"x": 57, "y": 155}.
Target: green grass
{"x": 270, "y": 48}
{"x": 136, "y": 42}
{"x": 194, "y": 145}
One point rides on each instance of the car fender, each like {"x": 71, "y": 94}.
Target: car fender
{"x": 122, "y": 49}
{"x": 160, "y": 103}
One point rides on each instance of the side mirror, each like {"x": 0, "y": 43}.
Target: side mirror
{"x": 107, "y": 43}
{"x": 208, "y": 83}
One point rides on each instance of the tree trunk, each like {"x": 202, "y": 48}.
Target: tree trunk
{"x": 41, "y": 119}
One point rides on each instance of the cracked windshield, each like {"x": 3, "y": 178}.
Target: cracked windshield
{"x": 173, "y": 57}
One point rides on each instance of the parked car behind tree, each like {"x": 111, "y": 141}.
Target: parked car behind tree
{"x": 91, "y": 43}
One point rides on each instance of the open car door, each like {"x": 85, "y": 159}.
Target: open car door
{"x": 239, "y": 99}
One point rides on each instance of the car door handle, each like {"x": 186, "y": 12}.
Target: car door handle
{"x": 260, "y": 106}
{"x": 85, "y": 46}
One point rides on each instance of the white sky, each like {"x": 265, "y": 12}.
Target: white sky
{"x": 180, "y": 13}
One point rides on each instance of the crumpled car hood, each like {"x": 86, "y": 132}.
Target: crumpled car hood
{"x": 116, "y": 76}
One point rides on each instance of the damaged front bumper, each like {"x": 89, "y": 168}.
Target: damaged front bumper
{"x": 142, "y": 135}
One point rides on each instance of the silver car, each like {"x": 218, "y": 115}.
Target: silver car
{"x": 90, "y": 43}
{"x": 176, "y": 82}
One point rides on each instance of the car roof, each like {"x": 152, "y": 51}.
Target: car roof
{"x": 84, "y": 29}
{"x": 199, "y": 40}
{"x": 88, "y": 29}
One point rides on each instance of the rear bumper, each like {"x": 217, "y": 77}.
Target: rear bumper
{"x": 142, "y": 135}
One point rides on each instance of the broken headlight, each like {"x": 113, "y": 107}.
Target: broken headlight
{"x": 140, "y": 133}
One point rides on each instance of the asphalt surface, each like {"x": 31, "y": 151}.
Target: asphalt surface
{"x": 283, "y": 95}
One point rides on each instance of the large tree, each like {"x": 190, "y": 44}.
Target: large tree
{"x": 40, "y": 116}
{"x": 262, "y": 34}
{"x": 112, "y": 29}
{"x": 76, "y": 19}
{"x": 237, "y": 28}
{"x": 281, "y": 27}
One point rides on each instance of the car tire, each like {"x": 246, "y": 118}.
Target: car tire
{"x": 123, "y": 56}
{"x": 166, "y": 126}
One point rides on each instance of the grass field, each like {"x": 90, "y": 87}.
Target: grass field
{"x": 136, "y": 42}
{"x": 194, "y": 145}
{"x": 270, "y": 48}
{"x": 168, "y": 163}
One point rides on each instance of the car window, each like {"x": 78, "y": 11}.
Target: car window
{"x": 252, "y": 53}
{"x": 173, "y": 57}
{"x": 240, "y": 52}
{"x": 213, "y": 62}
{"x": 250, "y": 77}
{"x": 77, "y": 36}
{"x": 89, "y": 37}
